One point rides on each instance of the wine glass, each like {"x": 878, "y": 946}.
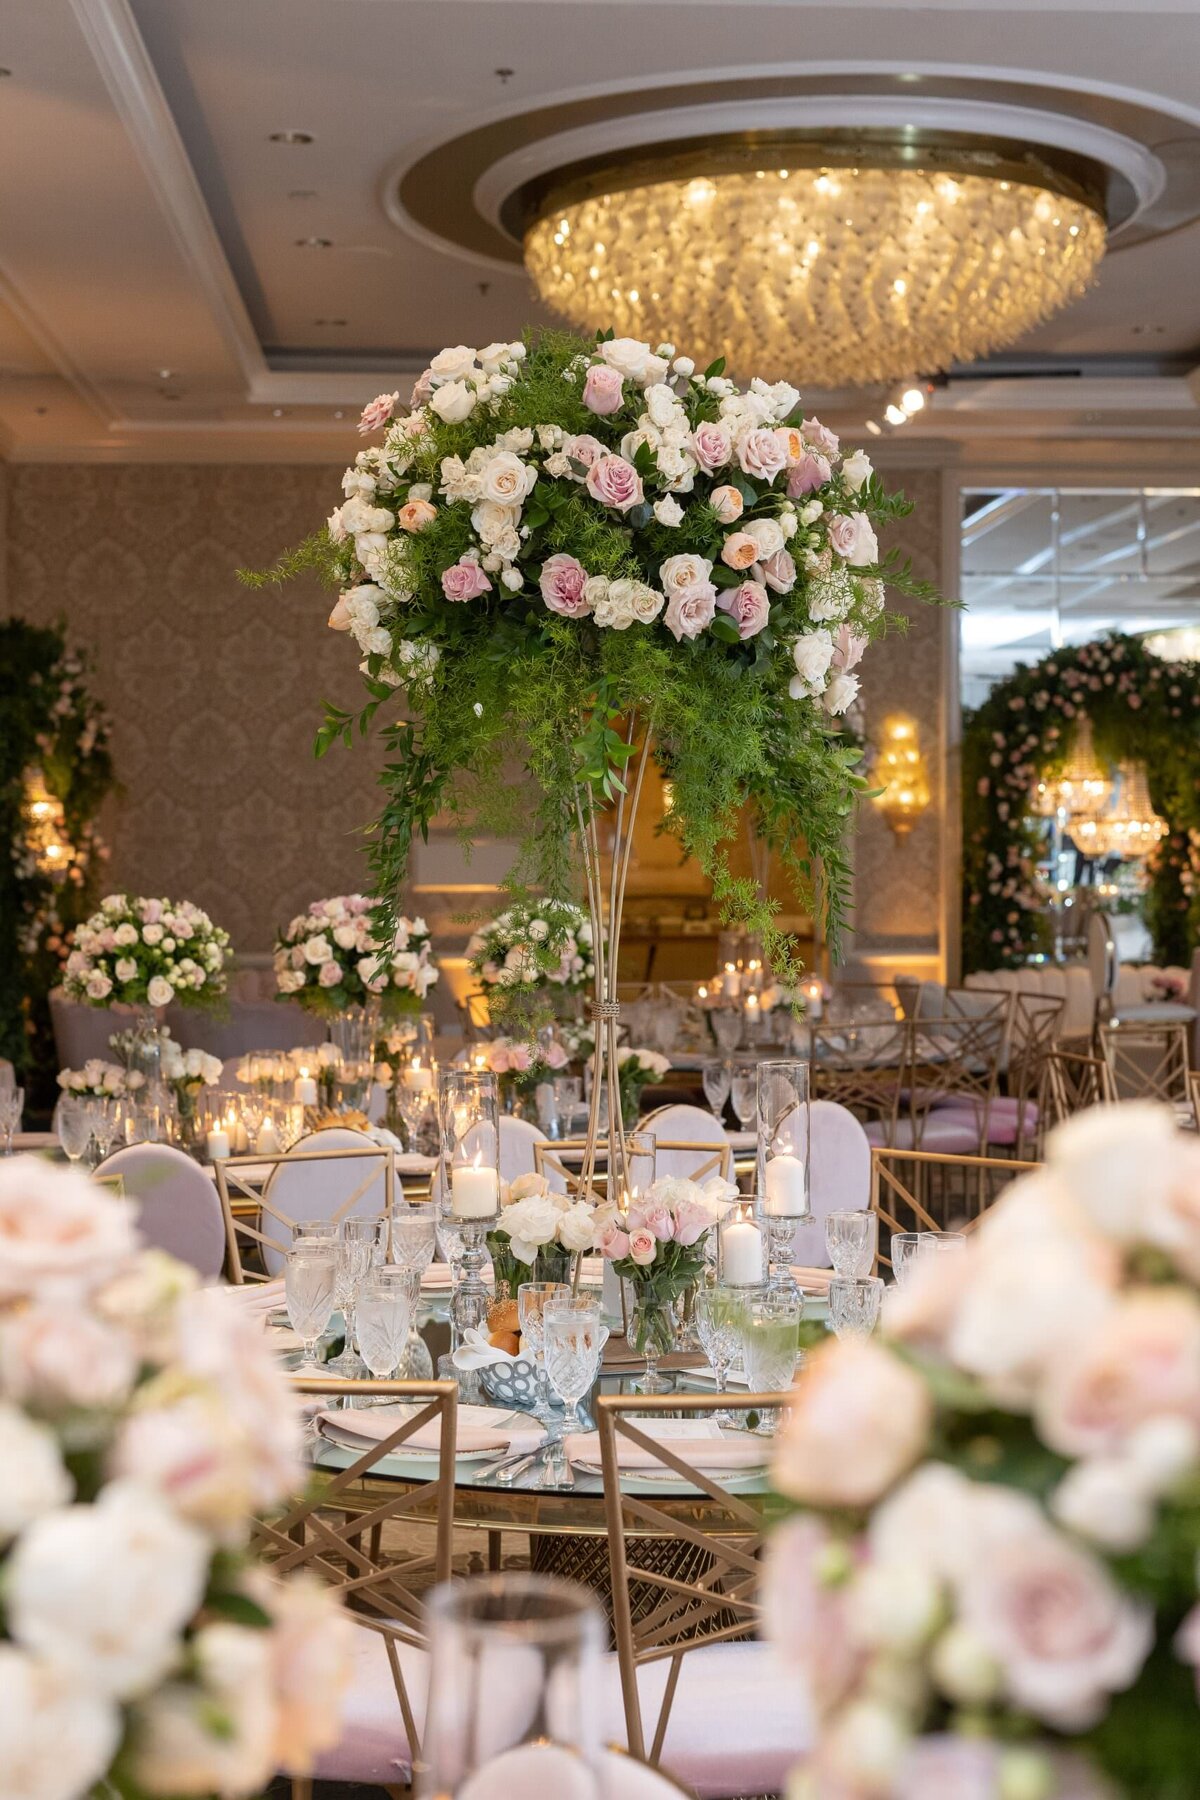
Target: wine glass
{"x": 106, "y": 1124}
{"x": 532, "y": 1299}
{"x": 414, "y": 1240}
{"x": 310, "y": 1283}
{"x": 904, "y": 1248}
{"x": 851, "y": 1238}
{"x": 854, "y": 1302}
{"x": 12, "y": 1104}
{"x": 744, "y": 1091}
{"x": 770, "y": 1339}
{"x": 941, "y": 1243}
{"x": 716, "y": 1075}
{"x": 727, "y": 1027}
{"x": 573, "y": 1340}
{"x": 73, "y": 1123}
{"x": 718, "y": 1315}
{"x": 358, "y": 1249}
{"x": 382, "y": 1317}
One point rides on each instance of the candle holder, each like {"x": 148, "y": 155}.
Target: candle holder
{"x": 784, "y": 1156}
{"x": 742, "y": 1247}
{"x": 469, "y": 1126}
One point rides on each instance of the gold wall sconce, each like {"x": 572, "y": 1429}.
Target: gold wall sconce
{"x": 900, "y": 774}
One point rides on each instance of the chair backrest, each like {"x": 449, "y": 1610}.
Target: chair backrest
{"x": 861, "y": 1067}
{"x": 1104, "y": 965}
{"x": 335, "y": 1533}
{"x": 959, "y": 1055}
{"x": 1075, "y": 1081}
{"x": 839, "y": 1176}
{"x": 666, "y": 1615}
{"x": 179, "y": 1208}
{"x": 1147, "y": 1061}
{"x": 332, "y": 1174}
{"x": 688, "y": 1141}
{"x": 518, "y": 1138}
{"x": 899, "y": 1208}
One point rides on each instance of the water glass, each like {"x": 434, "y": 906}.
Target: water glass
{"x": 358, "y": 1251}
{"x": 73, "y": 1123}
{"x": 727, "y": 1027}
{"x": 12, "y": 1104}
{"x": 414, "y": 1238}
{"x": 854, "y": 1303}
{"x": 310, "y": 1283}
{"x": 770, "y": 1340}
{"x": 106, "y": 1124}
{"x": 904, "y": 1248}
{"x": 941, "y": 1243}
{"x": 719, "y": 1314}
{"x": 744, "y": 1091}
{"x": 716, "y": 1075}
{"x": 851, "y": 1239}
{"x": 573, "y": 1341}
{"x": 533, "y": 1297}
{"x": 515, "y": 1674}
{"x": 384, "y": 1312}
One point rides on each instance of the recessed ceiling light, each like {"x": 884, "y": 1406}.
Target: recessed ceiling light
{"x": 291, "y": 137}
{"x": 314, "y": 243}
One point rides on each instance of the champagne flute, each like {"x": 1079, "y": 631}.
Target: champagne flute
{"x": 12, "y": 1104}
{"x": 744, "y": 1091}
{"x": 716, "y": 1076}
{"x": 310, "y": 1281}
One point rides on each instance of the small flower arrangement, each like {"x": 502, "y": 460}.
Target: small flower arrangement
{"x": 993, "y": 1586}
{"x": 147, "y": 952}
{"x": 538, "y": 1233}
{"x": 534, "y": 946}
{"x": 658, "y": 1247}
{"x": 522, "y": 1066}
{"x": 636, "y": 1069}
{"x": 143, "y": 1423}
{"x": 329, "y": 959}
{"x": 98, "y": 1080}
{"x": 187, "y": 1073}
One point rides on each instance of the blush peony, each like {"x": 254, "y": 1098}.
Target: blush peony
{"x": 859, "y": 1422}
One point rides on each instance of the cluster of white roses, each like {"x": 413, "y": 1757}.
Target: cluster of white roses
{"x": 329, "y": 958}
{"x": 1075, "y": 1312}
{"x": 189, "y": 1070}
{"x": 146, "y": 952}
{"x": 547, "y": 941}
{"x": 119, "y": 1583}
{"x": 761, "y": 476}
{"x": 99, "y": 1080}
{"x": 532, "y": 1216}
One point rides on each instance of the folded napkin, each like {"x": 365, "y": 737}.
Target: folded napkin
{"x": 702, "y": 1451}
{"x": 259, "y": 1296}
{"x": 816, "y": 1281}
{"x": 479, "y": 1428}
{"x": 476, "y": 1353}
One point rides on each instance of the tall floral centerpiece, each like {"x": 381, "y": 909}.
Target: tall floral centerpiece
{"x": 143, "y": 1424}
{"x": 534, "y": 961}
{"x": 580, "y": 555}
{"x": 993, "y": 1585}
{"x": 330, "y": 958}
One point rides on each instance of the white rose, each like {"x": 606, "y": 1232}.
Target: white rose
{"x": 634, "y": 360}
{"x": 98, "y": 985}
{"x": 894, "y": 1606}
{"x": 683, "y": 365}
{"x": 35, "y": 1480}
{"x": 530, "y": 1223}
{"x": 1161, "y": 1451}
{"x": 106, "y": 1590}
{"x": 453, "y": 403}
{"x": 668, "y": 512}
{"x": 125, "y": 934}
{"x": 840, "y": 694}
{"x": 539, "y": 931}
{"x": 317, "y": 950}
{"x": 290, "y": 981}
{"x": 507, "y": 480}
{"x": 513, "y": 580}
{"x": 125, "y": 968}
{"x": 159, "y": 992}
{"x": 152, "y": 934}
{"x": 857, "y": 470}
{"x": 1102, "y": 1500}
{"x": 576, "y": 1227}
{"x": 345, "y": 936}
{"x": 56, "y": 1740}
{"x": 453, "y": 364}
{"x": 812, "y": 655}
{"x": 494, "y": 521}
{"x": 767, "y": 534}
{"x": 684, "y": 571}
{"x": 662, "y": 405}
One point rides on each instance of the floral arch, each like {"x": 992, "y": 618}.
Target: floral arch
{"x": 1143, "y": 710}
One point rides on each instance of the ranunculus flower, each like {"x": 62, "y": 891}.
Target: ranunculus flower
{"x": 614, "y": 482}
{"x": 377, "y": 412}
{"x": 859, "y": 1420}
{"x": 464, "y": 580}
{"x": 1139, "y": 1360}
{"x": 727, "y": 503}
{"x": 739, "y": 550}
{"x": 852, "y": 537}
{"x": 684, "y": 571}
{"x": 59, "y": 1233}
{"x": 690, "y": 609}
{"x": 603, "y": 389}
{"x": 415, "y": 515}
{"x": 779, "y": 572}
{"x": 812, "y": 471}
{"x": 749, "y": 606}
{"x": 761, "y": 453}
{"x": 562, "y": 582}
{"x": 712, "y": 446}
{"x": 643, "y": 1248}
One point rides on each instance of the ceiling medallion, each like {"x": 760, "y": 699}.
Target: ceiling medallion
{"x": 840, "y": 260}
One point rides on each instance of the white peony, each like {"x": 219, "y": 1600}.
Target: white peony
{"x": 530, "y": 1223}
{"x": 841, "y": 693}
{"x": 35, "y": 1480}
{"x": 105, "y": 1590}
{"x": 56, "y": 1740}
{"x": 453, "y": 403}
{"x": 576, "y": 1227}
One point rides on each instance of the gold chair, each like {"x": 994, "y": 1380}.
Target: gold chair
{"x": 259, "y": 1231}
{"x": 1147, "y": 1062}
{"x": 337, "y": 1534}
{"x": 898, "y": 1207}
{"x": 1194, "y": 1091}
{"x": 955, "y": 1066}
{"x": 666, "y": 1614}
{"x": 1075, "y": 1081}
{"x": 1033, "y": 1034}
{"x": 861, "y": 1067}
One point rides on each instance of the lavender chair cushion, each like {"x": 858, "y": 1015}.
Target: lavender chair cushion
{"x": 950, "y": 1132}
{"x": 179, "y": 1209}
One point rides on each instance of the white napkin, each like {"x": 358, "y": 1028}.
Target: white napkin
{"x": 479, "y": 1428}
{"x": 476, "y": 1353}
{"x": 259, "y": 1296}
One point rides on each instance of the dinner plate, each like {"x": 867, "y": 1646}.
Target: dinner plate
{"x": 668, "y": 1477}
{"x": 346, "y": 1440}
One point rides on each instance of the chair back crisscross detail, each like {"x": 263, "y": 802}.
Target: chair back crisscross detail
{"x": 259, "y": 1229}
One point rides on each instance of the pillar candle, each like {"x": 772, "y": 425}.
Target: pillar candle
{"x": 304, "y": 1091}
{"x": 741, "y": 1255}
{"x": 785, "y": 1195}
{"x": 268, "y": 1141}
{"x": 474, "y": 1191}
{"x": 217, "y": 1144}
{"x": 419, "y": 1079}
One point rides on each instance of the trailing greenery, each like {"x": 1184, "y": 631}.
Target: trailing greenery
{"x": 1142, "y": 710}
{"x": 51, "y": 725}
{"x": 502, "y": 676}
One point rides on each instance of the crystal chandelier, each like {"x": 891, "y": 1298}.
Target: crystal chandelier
{"x": 1082, "y": 789}
{"x": 841, "y": 261}
{"x": 1129, "y": 828}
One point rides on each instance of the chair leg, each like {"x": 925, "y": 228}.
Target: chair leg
{"x": 495, "y": 1545}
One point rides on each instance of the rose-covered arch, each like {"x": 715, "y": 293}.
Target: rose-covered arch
{"x": 1142, "y": 710}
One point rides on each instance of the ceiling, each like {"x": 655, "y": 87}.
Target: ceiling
{"x": 176, "y": 284}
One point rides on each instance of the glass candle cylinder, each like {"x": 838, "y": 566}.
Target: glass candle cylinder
{"x": 469, "y": 1127}
{"x": 784, "y": 1157}
{"x": 742, "y": 1245}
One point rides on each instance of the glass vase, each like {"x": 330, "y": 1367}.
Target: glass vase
{"x": 652, "y": 1336}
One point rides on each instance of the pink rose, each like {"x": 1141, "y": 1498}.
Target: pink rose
{"x": 643, "y": 1248}
{"x": 727, "y": 503}
{"x": 339, "y": 618}
{"x": 806, "y": 1615}
{"x": 331, "y": 974}
{"x": 712, "y": 446}
{"x": 377, "y": 412}
{"x": 859, "y": 1421}
{"x": 562, "y": 583}
{"x": 583, "y": 449}
{"x": 612, "y": 1242}
{"x": 1065, "y": 1636}
{"x": 749, "y": 606}
{"x": 848, "y": 647}
{"x": 820, "y": 437}
{"x": 498, "y": 1059}
{"x": 55, "y": 1357}
{"x": 422, "y": 389}
{"x": 151, "y": 912}
{"x": 603, "y": 389}
{"x": 614, "y": 482}
{"x": 739, "y": 550}
{"x": 464, "y": 580}
{"x": 519, "y": 1058}
{"x": 779, "y": 572}
{"x": 557, "y": 1056}
{"x": 811, "y": 472}
{"x": 761, "y": 453}
{"x": 852, "y": 537}
{"x": 415, "y": 515}
{"x": 690, "y": 609}
{"x": 692, "y": 1220}
{"x": 1140, "y": 1361}
{"x": 652, "y": 1216}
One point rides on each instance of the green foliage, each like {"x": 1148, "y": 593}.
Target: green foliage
{"x": 1142, "y": 710}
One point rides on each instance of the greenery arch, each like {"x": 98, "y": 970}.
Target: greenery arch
{"x": 1143, "y": 710}
{"x": 52, "y": 724}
